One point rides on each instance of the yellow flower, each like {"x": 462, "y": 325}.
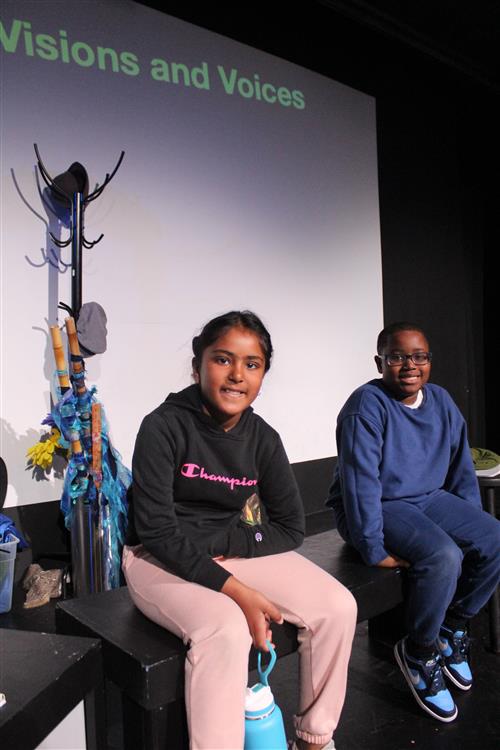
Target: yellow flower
{"x": 42, "y": 453}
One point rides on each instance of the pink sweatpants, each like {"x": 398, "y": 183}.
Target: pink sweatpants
{"x": 216, "y": 631}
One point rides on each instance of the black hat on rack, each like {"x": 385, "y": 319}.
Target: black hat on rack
{"x": 74, "y": 180}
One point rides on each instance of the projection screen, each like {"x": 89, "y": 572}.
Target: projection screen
{"x": 247, "y": 183}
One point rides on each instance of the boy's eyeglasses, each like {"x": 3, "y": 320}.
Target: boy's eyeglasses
{"x": 418, "y": 358}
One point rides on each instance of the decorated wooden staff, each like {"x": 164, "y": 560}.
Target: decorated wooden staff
{"x": 105, "y": 519}
{"x": 76, "y": 480}
{"x": 96, "y": 482}
{"x": 84, "y": 518}
{"x": 83, "y": 396}
{"x": 62, "y": 372}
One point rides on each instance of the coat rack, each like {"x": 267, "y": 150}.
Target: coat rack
{"x": 93, "y": 500}
{"x": 77, "y": 202}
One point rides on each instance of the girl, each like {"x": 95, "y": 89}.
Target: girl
{"x": 205, "y": 562}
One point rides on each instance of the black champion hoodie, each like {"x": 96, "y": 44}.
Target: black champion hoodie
{"x": 199, "y": 492}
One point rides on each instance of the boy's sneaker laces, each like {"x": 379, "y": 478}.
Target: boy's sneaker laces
{"x": 454, "y": 649}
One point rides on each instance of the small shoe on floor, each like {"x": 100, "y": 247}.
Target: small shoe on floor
{"x": 426, "y": 682}
{"x": 454, "y": 649}
{"x": 41, "y": 586}
{"x": 329, "y": 746}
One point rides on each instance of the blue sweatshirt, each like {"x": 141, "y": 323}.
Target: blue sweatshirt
{"x": 387, "y": 451}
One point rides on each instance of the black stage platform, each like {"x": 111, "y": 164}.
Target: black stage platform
{"x": 44, "y": 676}
{"x": 380, "y": 713}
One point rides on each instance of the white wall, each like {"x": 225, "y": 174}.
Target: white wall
{"x": 223, "y": 201}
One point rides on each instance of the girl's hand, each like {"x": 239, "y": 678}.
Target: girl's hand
{"x": 258, "y": 610}
{"x": 391, "y": 561}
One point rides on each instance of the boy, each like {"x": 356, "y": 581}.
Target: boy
{"x": 406, "y": 494}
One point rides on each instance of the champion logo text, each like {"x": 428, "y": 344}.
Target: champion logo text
{"x": 194, "y": 471}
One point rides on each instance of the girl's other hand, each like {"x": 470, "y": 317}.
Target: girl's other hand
{"x": 258, "y": 610}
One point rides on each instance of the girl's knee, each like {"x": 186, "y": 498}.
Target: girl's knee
{"x": 338, "y": 605}
{"x": 224, "y": 645}
{"x": 349, "y": 607}
{"x": 231, "y": 631}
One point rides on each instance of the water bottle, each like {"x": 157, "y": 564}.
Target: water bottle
{"x": 264, "y": 728}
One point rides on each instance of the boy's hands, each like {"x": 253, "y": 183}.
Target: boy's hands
{"x": 391, "y": 561}
{"x": 258, "y": 610}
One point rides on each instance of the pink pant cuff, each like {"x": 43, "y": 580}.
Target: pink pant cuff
{"x": 315, "y": 739}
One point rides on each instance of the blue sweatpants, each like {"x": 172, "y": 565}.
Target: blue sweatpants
{"x": 453, "y": 548}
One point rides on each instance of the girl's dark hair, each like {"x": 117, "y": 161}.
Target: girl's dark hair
{"x": 234, "y": 319}
{"x": 403, "y": 325}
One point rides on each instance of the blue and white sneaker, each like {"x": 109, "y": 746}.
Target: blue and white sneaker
{"x": 426, "y": 682}
{"x": 454, "y": 650}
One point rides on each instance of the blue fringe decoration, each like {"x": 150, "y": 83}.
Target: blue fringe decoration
{"x": 71, "y": 415}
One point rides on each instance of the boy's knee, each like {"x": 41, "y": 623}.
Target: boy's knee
{"x": 448, "y": 558}
{"x": 490, "y": 541}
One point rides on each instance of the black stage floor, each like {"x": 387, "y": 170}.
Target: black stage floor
{"x": 380, "y": 712}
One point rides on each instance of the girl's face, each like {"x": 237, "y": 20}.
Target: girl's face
{"x": 231, "y": 374}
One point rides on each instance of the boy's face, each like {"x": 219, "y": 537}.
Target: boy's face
{"x": 404, "y": 380}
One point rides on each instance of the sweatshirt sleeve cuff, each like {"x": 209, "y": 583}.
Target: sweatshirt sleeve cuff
{"x": 212, "y": 576}
{"x": 372, "y": 554}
